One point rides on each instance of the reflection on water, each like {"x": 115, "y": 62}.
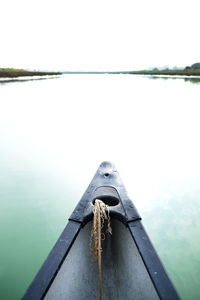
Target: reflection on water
{"x": 177, "y": 209}
{"x": 55, "y": 133}
{"x": 195, "y": 80}
{"x": 26, "y": 78}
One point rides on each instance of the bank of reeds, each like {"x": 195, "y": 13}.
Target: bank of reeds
{"x": 189, "y": 72}
{"x": 11, "y": 73}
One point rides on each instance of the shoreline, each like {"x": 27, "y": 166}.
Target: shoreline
{"x": 168, "y": 73}
{"x": 8, "y": 73}
{"x": 180, "y": 73}
{"x": 16, "y": 73}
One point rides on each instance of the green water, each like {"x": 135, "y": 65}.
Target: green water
{"x": 55, "y": 133}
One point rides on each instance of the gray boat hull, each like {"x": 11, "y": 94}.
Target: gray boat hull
{"x": 131, "y": 268}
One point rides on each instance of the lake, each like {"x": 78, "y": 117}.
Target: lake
{"x": 54, "y": 134}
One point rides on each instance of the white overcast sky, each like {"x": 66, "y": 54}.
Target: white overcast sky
{"x": 98, "y": 35}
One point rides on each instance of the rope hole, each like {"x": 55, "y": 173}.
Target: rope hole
{"x": 108, "y": 200}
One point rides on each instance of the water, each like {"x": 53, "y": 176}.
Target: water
{"x": 55, "y": 133}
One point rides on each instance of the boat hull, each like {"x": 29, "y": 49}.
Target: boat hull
{"x": 131, "y": 268}
{"x": 124, "y": 274}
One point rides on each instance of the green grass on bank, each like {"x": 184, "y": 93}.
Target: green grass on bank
{"x": 9, "y": 72}
{"x": 190, "y": 72}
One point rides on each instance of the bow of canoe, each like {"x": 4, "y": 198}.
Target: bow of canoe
{"x": 131, "y": 268}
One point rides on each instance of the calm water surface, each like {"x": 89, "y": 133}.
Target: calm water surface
{"x": 53, "y": 135}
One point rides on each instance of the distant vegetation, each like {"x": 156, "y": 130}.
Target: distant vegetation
{"x": 193, "y": 70}
{"x": 8, "y": 72}
{"x": 188, "y": 72}
{"x": 195, "y": 66}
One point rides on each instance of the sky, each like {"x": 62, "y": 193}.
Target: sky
{"x": 91, "y": 35}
